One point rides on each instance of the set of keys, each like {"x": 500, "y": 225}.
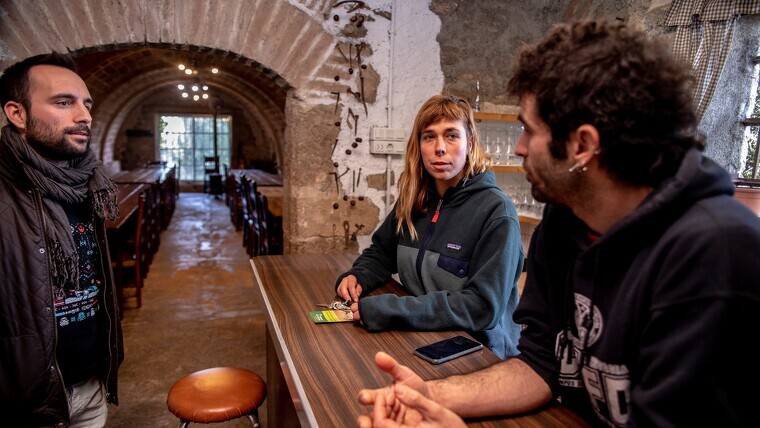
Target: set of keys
{"x": 337, "y": 305}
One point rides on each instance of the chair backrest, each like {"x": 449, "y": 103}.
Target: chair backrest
{"x": 250, "y": 214}
{"x": 263, "y": 209}
{"x": 142, "y": 235}
{"x": 211, "y": 164}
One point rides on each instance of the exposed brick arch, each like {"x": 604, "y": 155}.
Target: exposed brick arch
{"x": 284, "y": 69}
{"x": 120, "y": 77}
{"x": 268, "y": 47}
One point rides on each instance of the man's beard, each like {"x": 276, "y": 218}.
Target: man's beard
{"x": 43, "y": 139}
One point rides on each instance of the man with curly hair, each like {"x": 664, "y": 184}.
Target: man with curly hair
{"x": 643, "y": 285}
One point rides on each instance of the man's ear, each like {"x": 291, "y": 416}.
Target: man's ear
{"x": 16, "y": 114}
{"x": 585, "y": 144}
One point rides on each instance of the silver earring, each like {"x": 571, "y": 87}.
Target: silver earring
{"x": 575, "y": 167}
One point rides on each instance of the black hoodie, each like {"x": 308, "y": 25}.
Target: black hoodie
{"x": 670, "y": 296}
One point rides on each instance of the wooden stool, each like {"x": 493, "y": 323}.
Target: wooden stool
{"x": 217, "y": 395}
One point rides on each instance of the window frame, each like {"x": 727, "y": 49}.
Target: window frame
{"x": 753, "y": 121}
{"x": 197, "y": 169}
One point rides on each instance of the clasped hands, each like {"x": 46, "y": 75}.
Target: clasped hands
{"x": 350, "y": 289}
{"x": 407, "y": 402}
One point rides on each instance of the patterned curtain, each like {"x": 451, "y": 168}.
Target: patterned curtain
{"x": 704, "y": 32}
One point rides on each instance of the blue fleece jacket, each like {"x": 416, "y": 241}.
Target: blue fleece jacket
{"x": 461, "y": 273}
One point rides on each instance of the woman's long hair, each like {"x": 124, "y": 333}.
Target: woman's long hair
{"x": 415, "y": 181}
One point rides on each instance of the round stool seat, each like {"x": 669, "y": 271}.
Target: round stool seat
{"x": 216, "y": 395}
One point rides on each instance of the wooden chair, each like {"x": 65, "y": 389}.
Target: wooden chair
{"x": 217, "y": 395}
{"x": 251, "y": 232}
{"x": 274, "y": 232}
{"x": 212, "y": 181}
{"x": 233, "y": 201}
{"x": 168, "y": 197}
{"x": 263, "y": 226}
{"x": 130, "y": 260}
{"x": 153, "y": 218}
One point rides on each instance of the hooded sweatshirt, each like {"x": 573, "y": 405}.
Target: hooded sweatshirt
{"x": 652, "y": 323}
{"x": 461, "y": 272}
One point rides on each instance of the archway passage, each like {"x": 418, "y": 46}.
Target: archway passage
{"x": 131, "y": 86}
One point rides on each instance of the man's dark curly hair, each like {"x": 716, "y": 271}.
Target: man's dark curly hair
{"x": 14, "y": 83}
{"x": 613, "y": 77}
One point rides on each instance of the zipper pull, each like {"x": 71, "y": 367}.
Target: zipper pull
{"x": 437, "y": 211}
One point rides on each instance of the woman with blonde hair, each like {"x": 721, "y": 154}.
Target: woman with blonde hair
{"x": 453, "y": 238}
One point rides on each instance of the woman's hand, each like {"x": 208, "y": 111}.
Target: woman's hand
{"x": 349, "y": 289}
{"x": 355, "y": 313}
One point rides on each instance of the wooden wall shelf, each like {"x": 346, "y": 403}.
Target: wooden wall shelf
{"x": 529, "y": 220}
{"x": 479, "y": 115}
{"x": 508, "y": 168}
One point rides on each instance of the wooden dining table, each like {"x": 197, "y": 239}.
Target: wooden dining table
{"x": 163, "y": 181}
{"x": 266, "y": 183}
{"x": 261, "y": 178}
{"x": 128, "y": 196}
{"x": 274, "y": 198}
{"x": 314, "y": 371}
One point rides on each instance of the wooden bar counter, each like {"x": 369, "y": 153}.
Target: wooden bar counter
{"x": 314, "y": 371}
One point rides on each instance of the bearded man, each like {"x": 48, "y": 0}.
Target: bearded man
{"x": 60, "y": 333}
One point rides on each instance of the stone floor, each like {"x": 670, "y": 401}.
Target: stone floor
{"x": 199, "y": 311}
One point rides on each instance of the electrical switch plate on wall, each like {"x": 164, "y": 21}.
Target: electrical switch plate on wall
{"x": 387, "y": 141}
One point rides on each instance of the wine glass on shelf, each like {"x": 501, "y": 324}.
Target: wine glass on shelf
{"x": 484, "y": 133}
{"x": 510, "y": 148}
{"x": 497, "y": 154}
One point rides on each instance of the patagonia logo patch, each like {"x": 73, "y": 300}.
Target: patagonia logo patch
{"x": 454, "y": 246}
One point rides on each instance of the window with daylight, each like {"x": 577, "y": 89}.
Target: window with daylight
{"x": 186, "y": 140}
{"x": 751, "y": 170}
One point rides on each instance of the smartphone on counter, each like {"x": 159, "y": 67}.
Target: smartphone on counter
{"x": 447, "y": 349}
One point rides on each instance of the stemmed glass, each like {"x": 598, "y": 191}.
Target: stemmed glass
{"x": 498, "y": 151}
{"x": 510, "y": 148}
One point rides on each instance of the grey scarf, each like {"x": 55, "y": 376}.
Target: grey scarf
{"x": 71, "y": 183}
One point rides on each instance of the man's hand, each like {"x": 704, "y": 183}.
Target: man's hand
{"x": 401, "y": 374}
{"x": 349, "y": 288}
{"x": 404, "y": 403}
{"x": 399, "y": 406}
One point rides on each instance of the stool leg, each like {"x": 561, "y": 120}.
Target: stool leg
{"x": 183, "y": 424}
{"x": 254, "y": 418}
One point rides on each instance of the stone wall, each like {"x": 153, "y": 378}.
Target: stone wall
{"x": 289, "y": 60}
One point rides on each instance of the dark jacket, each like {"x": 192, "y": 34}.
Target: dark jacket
{"x": 653, "y": 323}
{"x": 462, "y": 272}
{"x": 31, "y": 388}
